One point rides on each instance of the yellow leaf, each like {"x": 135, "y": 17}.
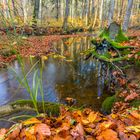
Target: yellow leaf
{"x": 92, "y": 117}
{"x": 85, "y": 122}
{"x": 69, "y": 60}
{"x": 135, "y": 129}
{"x": 31, "y": 121}
{"x": 44, "y": 57}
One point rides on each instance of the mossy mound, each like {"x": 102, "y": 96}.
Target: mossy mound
{"x": 108, "y": 104}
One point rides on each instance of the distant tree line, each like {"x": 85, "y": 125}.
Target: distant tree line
{"x": 88, "y": 13}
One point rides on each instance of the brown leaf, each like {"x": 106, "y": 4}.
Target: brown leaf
{"x": 80, "y": 129}
{"x": 42, "y": 129}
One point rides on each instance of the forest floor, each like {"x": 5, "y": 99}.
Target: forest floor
{"x": 123, "y": 123}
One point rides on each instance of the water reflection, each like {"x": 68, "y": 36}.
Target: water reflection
{"x": 67, "y": 76}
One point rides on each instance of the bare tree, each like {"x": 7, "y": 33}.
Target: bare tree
{"x": 127, "y": 15}
{"x": 101, "y": 13}
{"x": 111, "y": 11}
{"x": 65, "y": 23}
{"x": 36, "y": 10}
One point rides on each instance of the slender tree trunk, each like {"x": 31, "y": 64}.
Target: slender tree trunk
{"x": 36, "y": 11}
{"x": 6, "y": 9}
{"x": 14, "y": 8}
{"x": 96, "y": 13}
{"x": 127, "y": 15}
{"x": 121, "y": 9}
{"x": 86, "y": 11}
{"x": 24, "y": 3}
{"x": 57, "y": 9}
{"x": 76, "y": 8}
{"x": 62, "y": 9}
{"x": 101, "y": 13}
{"x": 65, "y": 23}
{"x": 111, "y": 11}
{"x": 40, "y": 11}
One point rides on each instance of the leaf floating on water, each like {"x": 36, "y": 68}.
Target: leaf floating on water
{"x": 59, "y": 56}
{"x": 44, "y": 57}
{"x": 69, "y": 60}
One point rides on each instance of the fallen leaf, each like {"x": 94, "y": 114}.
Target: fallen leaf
{"x": 31, "y": 121}
{"x": 42, "y": 129}
{"x": 80, "y": 129}
{"x": 135, "y": 129}
{"x": 92, "y": 117}
{"x": 107, "y": 135}
{"x": 135, "y": 114}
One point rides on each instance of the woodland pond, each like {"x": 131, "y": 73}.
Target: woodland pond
{"x": 62, "y": 77}
{"x": 65, "y": 74}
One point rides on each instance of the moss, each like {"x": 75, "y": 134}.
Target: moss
{"x": 7, "y": 52}
{"x": 50, "y": 108}
{"x": 108, "y": 103}
{"x": 135, "y": 103}
{"x": 104, "y": 33}
{"x": 121, "y": 37}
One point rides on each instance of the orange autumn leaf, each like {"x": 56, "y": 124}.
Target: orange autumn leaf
{"x": 107, "y": 135}
{"x": 31, "y": 121}
{"x": 29, "y": 136}
{"x": 135, "y": 114}
{"x": 2, "y": 133}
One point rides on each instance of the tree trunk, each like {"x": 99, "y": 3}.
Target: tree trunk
{"x": 101, "y": 13}
{"x": 6, "y": 9}
{"x": 57, "y": 9}
{"x": 14, "y": 8}
{"x": 127, "y": 15}
{"x": 76, "y": 8}
{"x": 86, "y": 11}
{"x": 24, "y": 3}
{"x": 62, "y": 9}
{"x": 65, "y": 23}
{"x": 111, "y": 11}
{"x": 121, "y": 9}
{"x": 36, "y": 11}
{"x": 40, "y": 11}
{"x": 96, "y": 13}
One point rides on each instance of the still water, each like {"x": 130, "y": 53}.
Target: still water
{"x": 64, "y": 75}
